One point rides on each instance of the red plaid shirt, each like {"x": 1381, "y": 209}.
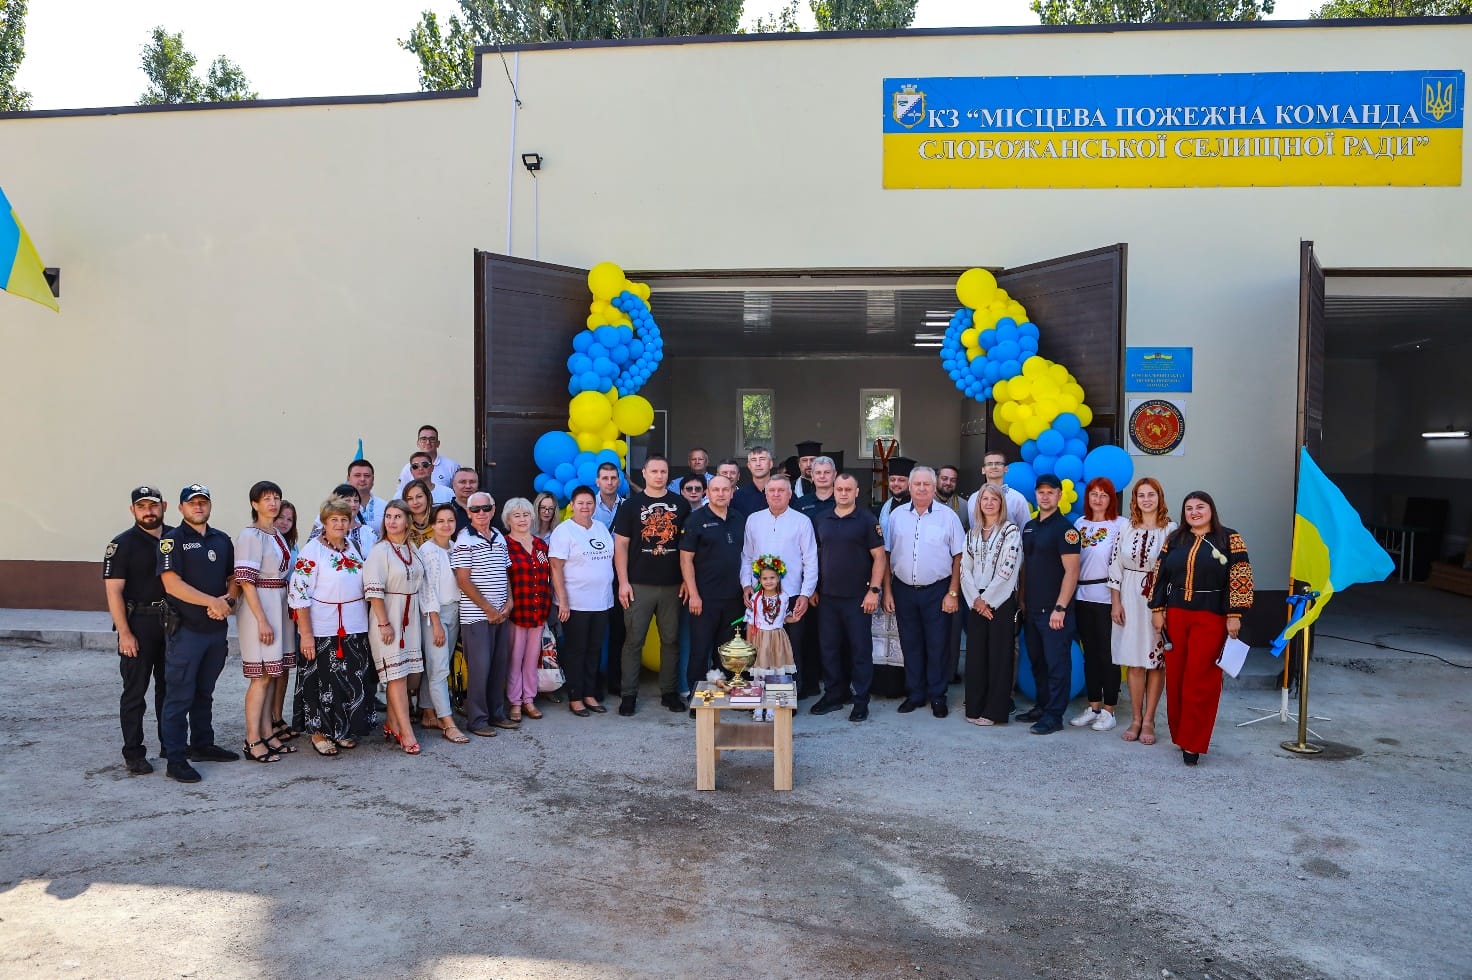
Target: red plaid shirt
{"x": 531, "y": 583}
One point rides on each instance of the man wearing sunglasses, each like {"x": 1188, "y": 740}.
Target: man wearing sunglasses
{"x": 421, "y": 467}
{"x": 482, "y": 565}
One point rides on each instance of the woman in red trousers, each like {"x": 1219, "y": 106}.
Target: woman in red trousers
{"x": 1202, "y": 588}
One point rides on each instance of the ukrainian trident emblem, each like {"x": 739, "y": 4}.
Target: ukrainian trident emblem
{"x": 1441, "y": 97}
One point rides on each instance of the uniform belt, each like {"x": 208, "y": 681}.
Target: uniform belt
{"x": 1093, "y": 581}
{"x": 927, "y": 585}
{"x": 146, "y": 608}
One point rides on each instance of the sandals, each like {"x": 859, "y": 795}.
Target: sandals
{"x": 345, "y": 743}
{"x": 325, "y": 747}
{"x": 282, "y": 732}
{"x": 1132, "y": 733}
{"x": 270, "y": 755}
{"x": 532, "y": 712}
{"x": 410, "y": 748}
{"x": 1147, "y": 734}
{"x": 279, "y": 748}
{"x": 453, "y": 734}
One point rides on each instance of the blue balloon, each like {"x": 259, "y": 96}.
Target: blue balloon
{"x": 985, "y": 394}
{"x": 1008, "y": 350}
{"x": 620, "y": 354}
{"x": 596, "y": 350}
{"x": 539, "y": 482}
{"x": 1069, "y": 468}
{"x": 1112, "y": 463}
{"x": 568, "y": 488}
{"x": 592, "y": 382}
{"x": 604, "y": 368}
{"x": 565, "y": 471}
{"x": 1076, "y": 447}
{"x": 1068, "y": 424}
{"x": 1029, "y": 345}
{"x": 1050, "y": 443}
{"x": 1022, "y": 478}
{"x": 623, "y": 486}
{"x": 588, "y": 474}
{"x": 606, "y": 456}
{"x": 636, "y": 349}
{"x": 575, "y": 386}
{"x": 1029, "y": 329}
{"x": 606, "y": 335}
{"x": 1011, "y": 369}
{"x": 978, "y": 367}
{"x": 625, "y": 334}
{"x": 580, "y": 364}
{"x": 581, "y": 340}
{"x": 1006, "y": 323}
{"x": 1043, "y": 463}
{"x": 1007, "y": 330}
{"x": 583, "y": 458}
{"x": 988, "y": 338}
{"x": 992, "y": 372}
{"x": 1029, "y": 450}
{"x": 552, "y": 448}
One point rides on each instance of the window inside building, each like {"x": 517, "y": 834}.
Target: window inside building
{"x": 879, "y": 417}
{"x": 754, "y": 420}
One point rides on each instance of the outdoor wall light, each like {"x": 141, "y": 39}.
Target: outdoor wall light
{"x": 532, "y": 162}
{"x": 1447, "y": 434}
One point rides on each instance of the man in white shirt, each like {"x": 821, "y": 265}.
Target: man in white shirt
{"x": 923, "y": 589}
{"x": 994, "y": 471}
{"x": 370, "y": 508}
{"x": 779, "y": 530}
{"x": 443, "y": 470}
{"x": 421, "y": 464}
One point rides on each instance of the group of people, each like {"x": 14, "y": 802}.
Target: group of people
{"x": 382, "y": 591}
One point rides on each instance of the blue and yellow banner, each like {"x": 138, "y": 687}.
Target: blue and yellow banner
{"x": 1283, "y": 129}
{"x": 21, "y": 269}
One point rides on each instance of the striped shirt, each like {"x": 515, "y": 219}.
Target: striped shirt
{"x": 489, "y": 562}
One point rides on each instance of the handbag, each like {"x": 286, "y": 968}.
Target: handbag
{"x": 549, "y": 674}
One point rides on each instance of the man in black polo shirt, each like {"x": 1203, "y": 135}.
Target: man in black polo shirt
{"x": 196, "y": 563}
{"x": 135, "y": 598}
{"x": 850, "y": 569}
{"x": 710, "y": 562}
{"x": 1050, "y": 562}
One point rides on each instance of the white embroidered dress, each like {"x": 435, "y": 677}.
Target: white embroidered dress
{"x": 395, "y": 573}
{"x": 1132, "y": 574}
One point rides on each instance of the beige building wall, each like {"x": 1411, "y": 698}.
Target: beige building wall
{"x": 248, "y": 291}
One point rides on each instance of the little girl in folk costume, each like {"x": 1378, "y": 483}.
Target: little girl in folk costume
{"x": 766, "y": 613}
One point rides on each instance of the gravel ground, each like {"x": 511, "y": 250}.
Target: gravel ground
{"x": 911, "y": 846}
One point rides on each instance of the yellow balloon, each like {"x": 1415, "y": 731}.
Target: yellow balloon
{"x": 1075, "y": 391}
{"x": 595, "y": 320}
{"x": 1044, "y": 390}
{"x": 997, "y": 309}
{"x": 1085, "y": 415}
{"x": 606, "y": 280}
{"x": 984, "y": 320}
{"x": 588, "y": 442}
{"x": 1067, "y": 486}
{"x": 633, "y": 415}
{"x": 1059, "y": 374}
{"x": 1017, "y": 312}
{"x": 975, "y": 288}
{"x": 589, "y": 412}
{"x": 609, "y": 433}
{"x": 1021, "y": 411}
{"x": 620, "y": 447}
{"x": 1002, "y": 391}
{"x": 640, "y": 289}
{"x": 999, "y": 416}
{"x": 1067, "y": 403}
{"x": 1009, "y": 410}
{"x": 968, "y": 337}
{"x": 1019, "y": 389}
{"x": 1045, "y": 409}
{"x": 1018, "y": 432}
{"x": 1035, "y": 427}
{"x": 1034, "y": 366}
{"x": 598, "y": 306}
{"x": 612, "y": 395}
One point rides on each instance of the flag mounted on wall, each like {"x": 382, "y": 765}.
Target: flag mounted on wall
{"x": 1331, "y": 548}
{"x": 21, "y": 270}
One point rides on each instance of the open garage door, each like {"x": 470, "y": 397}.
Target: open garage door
{"x": 525, "y": 314}
{"x": 1077, "y": 301}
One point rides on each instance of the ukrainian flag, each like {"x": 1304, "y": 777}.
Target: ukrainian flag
{"x": 21, "y": 271}
{"x": 1331, "y": 548}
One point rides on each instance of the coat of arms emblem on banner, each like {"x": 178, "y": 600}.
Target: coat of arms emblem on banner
{"x": 909, "y": 106}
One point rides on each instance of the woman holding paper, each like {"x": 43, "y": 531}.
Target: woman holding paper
{"x": 1202, "y": 588}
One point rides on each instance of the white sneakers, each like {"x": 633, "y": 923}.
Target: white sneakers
{"x": 1085, "y": 717}
{"x": 1104, "y": 722}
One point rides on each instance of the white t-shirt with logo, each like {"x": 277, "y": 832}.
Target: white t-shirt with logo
{"x": 588, "y": 569}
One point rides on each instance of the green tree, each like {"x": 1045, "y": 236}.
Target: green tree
{"x": 12, "y": 52}
{"x": 1338, "y": 9}
{"x": 1148, "y": 11}
{"x": 446, "y": 52}
{"x": 781, "y": 21}
{"x": 170, "y": 66}
{"x": 863, "y": 15}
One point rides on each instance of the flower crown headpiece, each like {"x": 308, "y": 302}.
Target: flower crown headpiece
{"x": 773, "y": 562}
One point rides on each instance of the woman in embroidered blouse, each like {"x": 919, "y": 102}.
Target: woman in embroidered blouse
{"x": 439, "y": 606}
{"x": 1135, "y": 640}
{"x": 1098, "y": 532}
{"x": 531, "y": 593}
{"x": 393, "y": 576}
{"x": 332, "y": 623}
{"x": 989, "y": 589}
{"x": 420, "y": 498}
{"x": 1202, "y": 588}
{"x": 262, "y": 559}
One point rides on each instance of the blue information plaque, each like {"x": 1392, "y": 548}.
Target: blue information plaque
{"x": 1157, "y": 369}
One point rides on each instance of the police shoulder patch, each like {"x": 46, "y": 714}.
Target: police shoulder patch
{"x": 166, "y": 545}
{"x": 1071, "y": 536}
{"x": 112, "y": 549}
{"x": 879, "y": 529}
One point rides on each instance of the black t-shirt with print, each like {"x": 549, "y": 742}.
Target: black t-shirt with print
{"x": 652, "y": 525}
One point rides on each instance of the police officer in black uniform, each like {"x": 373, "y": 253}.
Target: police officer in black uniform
{"x": 197, "y": 564}
{"x": 710, "y": 565}
{"x": 851, "y": 567}
{"x": 1050, "y": 563}
{"x": 135, "y": 598}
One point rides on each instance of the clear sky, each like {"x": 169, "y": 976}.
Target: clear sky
{"x": 86, "y": 52}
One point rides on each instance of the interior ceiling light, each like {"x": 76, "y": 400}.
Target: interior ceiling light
{"x": 1447, "y": 434}
{"x": 1411, "y": 344}
{"x": 927, "y": 343}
